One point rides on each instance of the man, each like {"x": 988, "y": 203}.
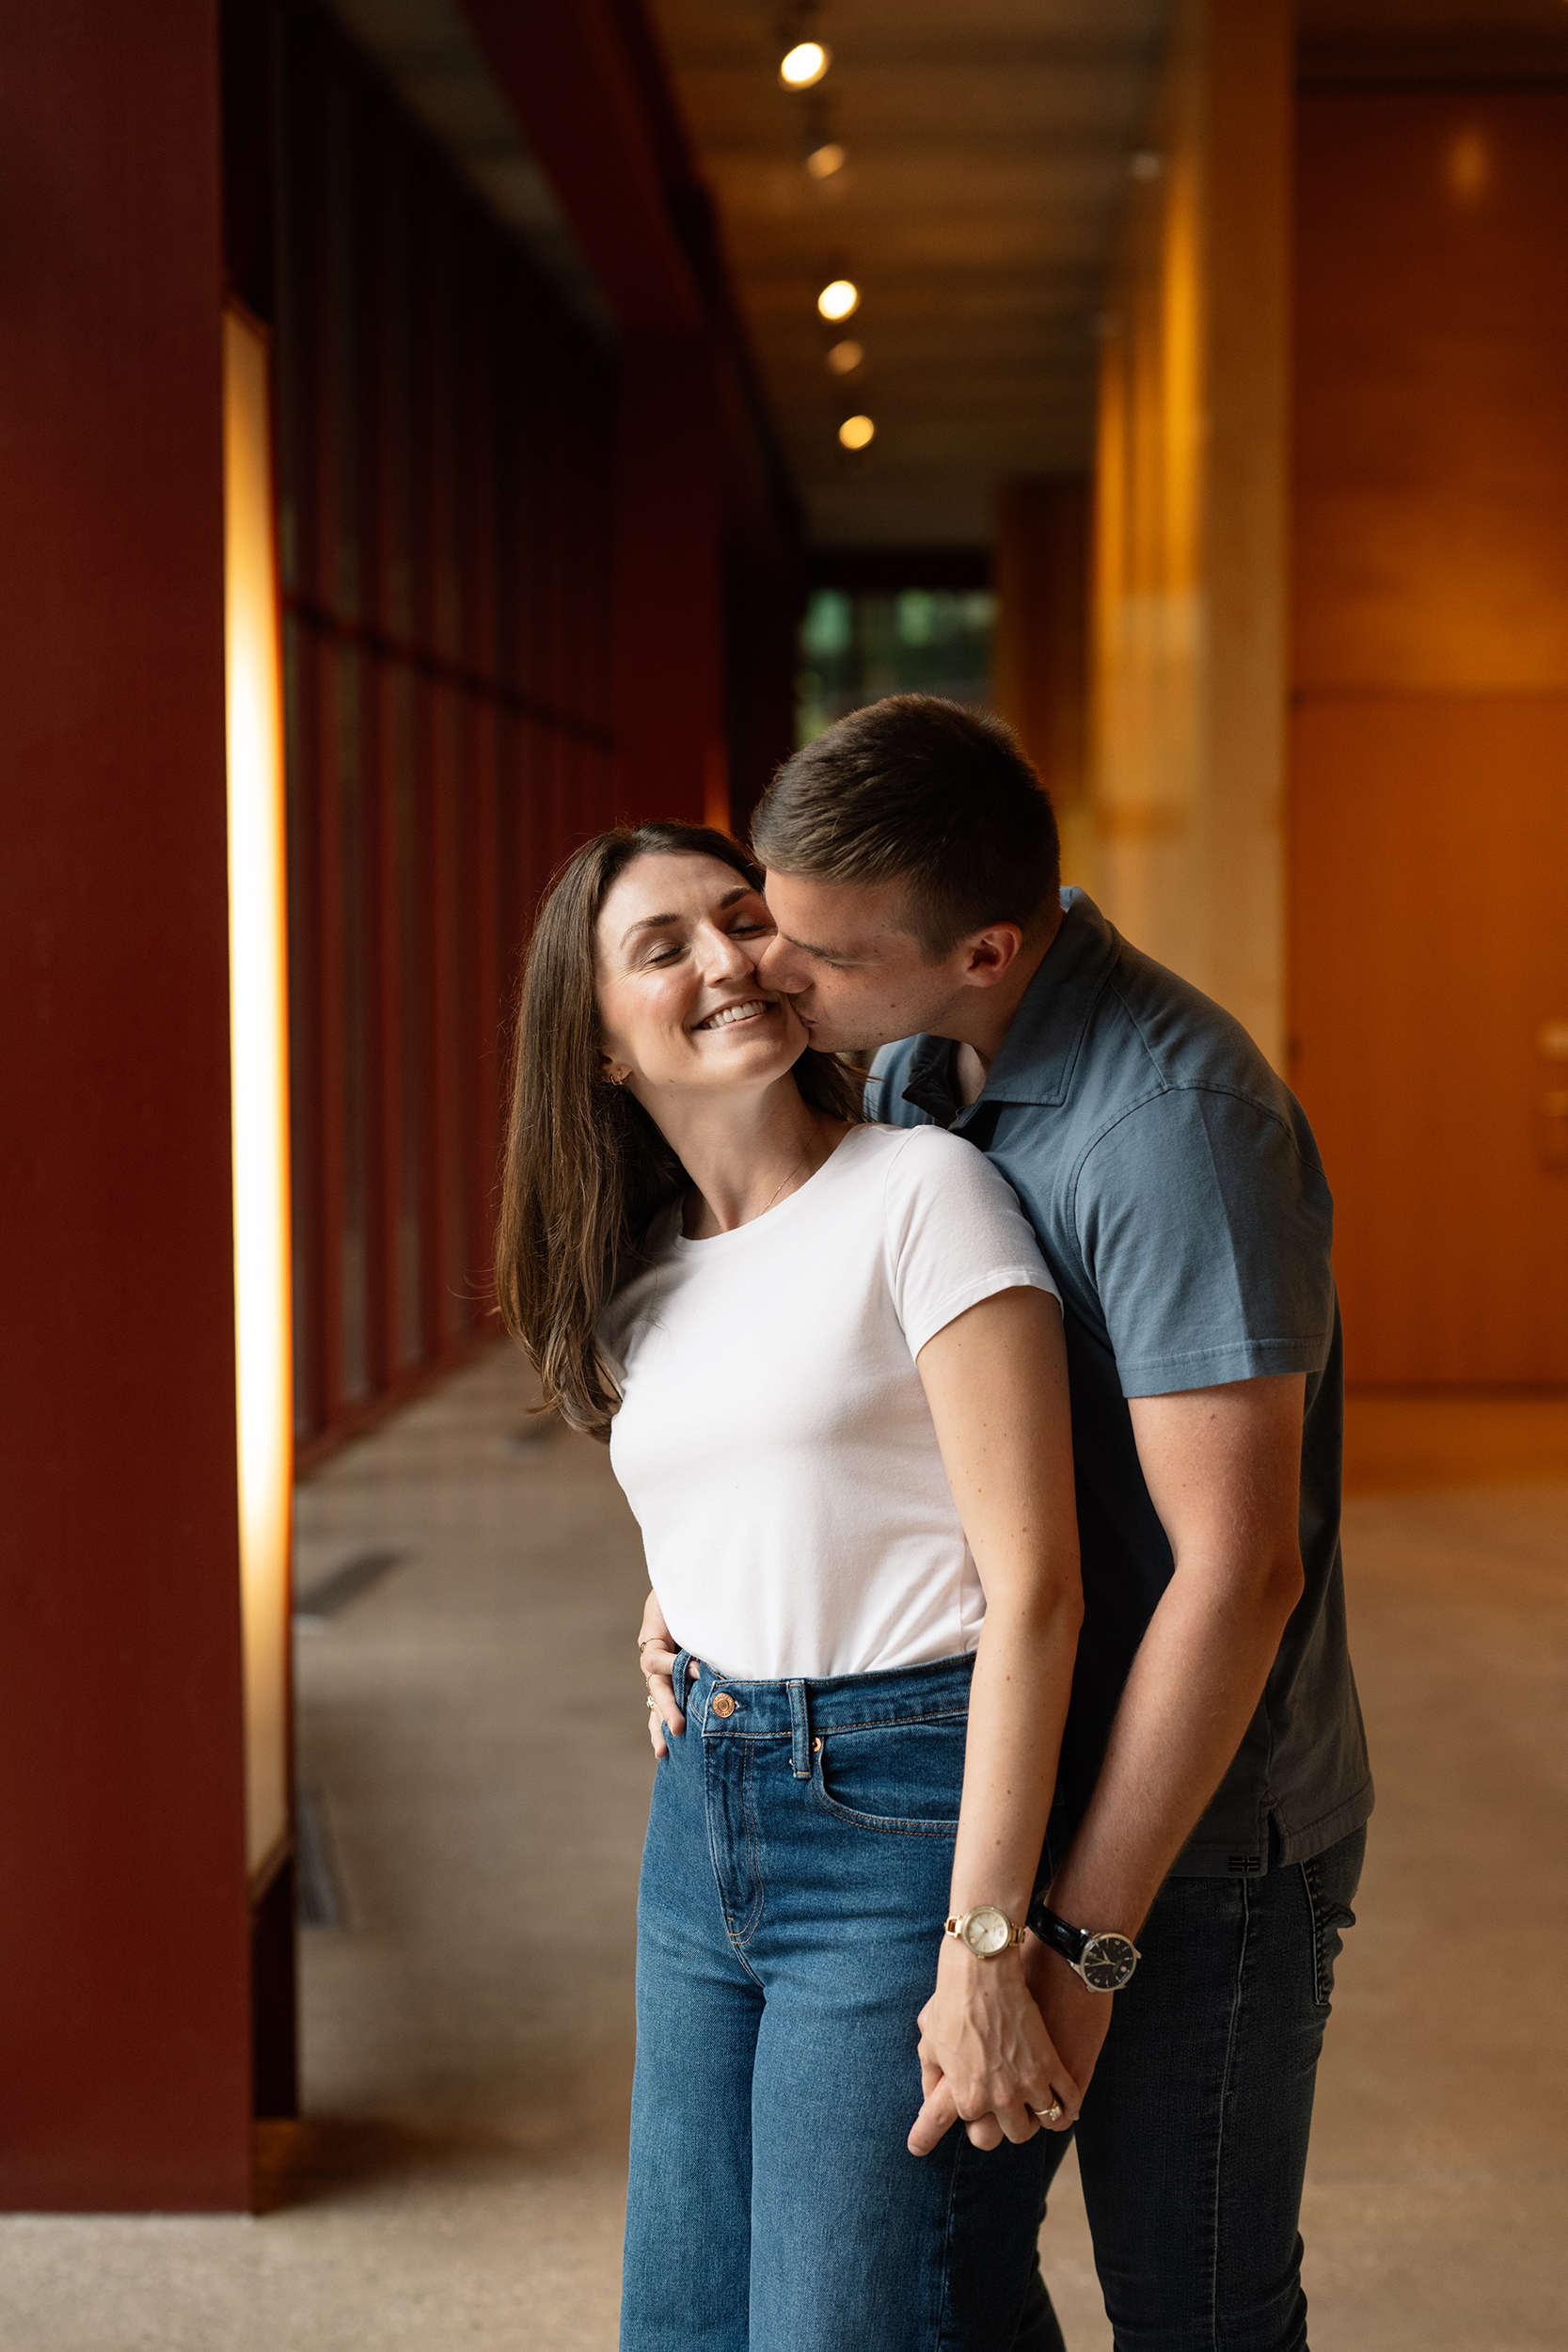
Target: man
{"x": 1213, "y": 1790}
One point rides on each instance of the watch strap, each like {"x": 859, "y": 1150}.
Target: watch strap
{"x": 1059, "y": 1933}
{"x": 1104, "y": 1958}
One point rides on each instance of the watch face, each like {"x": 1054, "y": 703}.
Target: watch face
{"x": 1108, "y": 1962}
{"x": 987, "y": 1931}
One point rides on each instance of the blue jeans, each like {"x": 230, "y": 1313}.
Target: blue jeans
{"x": 1191, "y": 2143}
{"x": 794, "y": 1881}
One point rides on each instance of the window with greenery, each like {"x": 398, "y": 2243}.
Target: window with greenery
{"x": 860, "y": 643}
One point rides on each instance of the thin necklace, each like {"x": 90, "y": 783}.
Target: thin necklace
{"x": 780, "y": 1185}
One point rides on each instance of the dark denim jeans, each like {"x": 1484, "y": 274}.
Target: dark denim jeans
{"x": 1191, "y": 2143}
{"x": 795, "y": 1880}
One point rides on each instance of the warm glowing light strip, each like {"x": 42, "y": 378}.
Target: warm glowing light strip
{"x": 258, "y": 996}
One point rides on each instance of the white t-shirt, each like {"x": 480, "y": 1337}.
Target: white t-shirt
{"x": 774, "y": 1438}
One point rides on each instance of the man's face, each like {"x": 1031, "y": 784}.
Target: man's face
{"x": 857, "y": 981}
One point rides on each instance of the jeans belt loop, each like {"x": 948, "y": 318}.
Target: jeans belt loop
{"x": 800, "y": 1737}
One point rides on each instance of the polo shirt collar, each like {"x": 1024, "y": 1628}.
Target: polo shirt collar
{"x": 1040, "y": 1049}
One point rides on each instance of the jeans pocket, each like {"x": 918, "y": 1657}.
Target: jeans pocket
{"x": 903, "y": 1780}
{"x": 1331, "y": 1881}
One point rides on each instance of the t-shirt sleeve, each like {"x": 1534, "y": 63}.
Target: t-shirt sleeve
{"x": 955, "y": 1235}
{"x": 1205, "y": 1229}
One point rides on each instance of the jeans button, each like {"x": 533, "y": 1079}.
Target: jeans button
{"x": 722, "y": 1704}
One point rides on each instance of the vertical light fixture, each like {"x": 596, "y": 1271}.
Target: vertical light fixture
{"x": 258, "y": 1001}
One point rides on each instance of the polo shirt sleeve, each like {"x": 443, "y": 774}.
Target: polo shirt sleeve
{"x": 1206, "y": 1224}
{"x": 955, "y": 1235}
{"x": 885, "y": 1082}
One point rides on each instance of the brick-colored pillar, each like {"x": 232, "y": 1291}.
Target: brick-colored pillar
{"x": 124, "y": 1995}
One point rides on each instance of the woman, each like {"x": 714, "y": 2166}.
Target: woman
{"x": 828, "y": 1360}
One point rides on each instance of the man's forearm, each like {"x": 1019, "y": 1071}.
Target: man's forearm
{"x": 1194, "y": 1687}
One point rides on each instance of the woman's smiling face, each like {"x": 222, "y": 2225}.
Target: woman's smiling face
{"x": 679, "y": 1005}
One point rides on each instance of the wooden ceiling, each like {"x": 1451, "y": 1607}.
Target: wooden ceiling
{"x": 988, "y": 149}
{"x": 990, "y": 146}
{"x": 1433, "y": 39}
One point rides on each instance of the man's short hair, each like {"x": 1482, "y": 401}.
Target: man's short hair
{"x": 922, "y": 791}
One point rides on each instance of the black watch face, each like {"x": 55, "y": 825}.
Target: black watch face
{"x": 1108, "y": 1962}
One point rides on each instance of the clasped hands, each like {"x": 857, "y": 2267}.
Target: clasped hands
{"x": 1002, "y": 2040}
{"x": 986, "y": 2057}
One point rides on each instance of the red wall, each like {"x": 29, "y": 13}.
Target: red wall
{"x": 124, "y": 2021}
{"x": 709, "y": 587}
{"x": 505, "y": 554}
{"x": 669, "y": 626}
{"x": 446, "y": 472}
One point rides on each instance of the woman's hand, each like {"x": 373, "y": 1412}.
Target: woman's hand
{"x": 985, "y": 2056}
{"x": 657, "y": 1655}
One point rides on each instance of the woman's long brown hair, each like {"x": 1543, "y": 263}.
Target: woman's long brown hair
{"x": 586, "y": 1168}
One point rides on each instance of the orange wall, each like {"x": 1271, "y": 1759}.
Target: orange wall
{"x": 1431, "y": 478}
{"x": 1188, "y": 622}
{"x": 1040, "y": 660}
{"x": 1430, "y": 734}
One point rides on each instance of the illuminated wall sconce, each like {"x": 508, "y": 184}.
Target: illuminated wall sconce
{"x": 845, "y": 358}
{"x": 857, "y": 432}
{"x": 839, "y": 300}
{"x": 259, "y": 1048}
{"x": 803, "y": 66}
{"x": 825, "y": 160}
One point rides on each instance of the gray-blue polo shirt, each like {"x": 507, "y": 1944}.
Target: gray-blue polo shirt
{"x": 1181, "y": 1204}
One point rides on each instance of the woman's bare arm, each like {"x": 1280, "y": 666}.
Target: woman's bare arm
{"x": 996, "y": 1383}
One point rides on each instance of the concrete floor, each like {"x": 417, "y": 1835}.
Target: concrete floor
{"x": 472, "y": 1727}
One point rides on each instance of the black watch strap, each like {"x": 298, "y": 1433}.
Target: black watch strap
{"x": 1104, "y": 1958}
{"x": 1062, "y": 1937}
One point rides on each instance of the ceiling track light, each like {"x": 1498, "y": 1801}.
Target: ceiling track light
{"x": 802, "y": 67}
{"x": 822, "y": 161}
{"x": 845, "y": 356}
{"x": 857, "y": 432}
{"x": 839, "y": 299}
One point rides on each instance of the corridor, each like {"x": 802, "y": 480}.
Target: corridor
{"x": 471, "y": 1757}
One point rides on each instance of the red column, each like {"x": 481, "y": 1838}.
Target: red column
{"x": 124, "y": 2003}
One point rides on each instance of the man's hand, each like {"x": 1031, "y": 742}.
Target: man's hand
{"x": 1076, "y": 2019}
{"x": 656, "y": 1654}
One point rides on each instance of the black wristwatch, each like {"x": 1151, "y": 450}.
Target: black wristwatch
{"x": 1105, "y": 1962}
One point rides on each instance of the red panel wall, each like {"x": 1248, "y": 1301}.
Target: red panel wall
{"x": 447, "y": 472}
{"x": 124, "y": 2022}
{"x": 499, "y": 546}
{"x": 669, "y": 654}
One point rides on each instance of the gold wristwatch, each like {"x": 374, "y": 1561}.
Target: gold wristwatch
{"x": 985, "y": 1930}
